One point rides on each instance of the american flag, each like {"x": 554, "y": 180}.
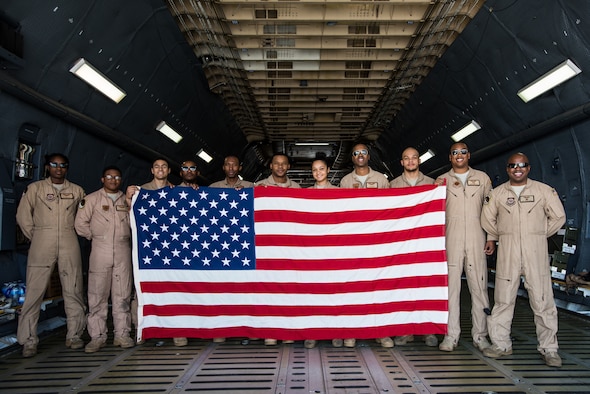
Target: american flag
{"x": 295, "y": 264}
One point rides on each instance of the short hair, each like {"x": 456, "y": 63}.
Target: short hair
{"x": 161, "y": 158}
{"x": 108, "y": 168}
{"x": 321, "y": 156}
{"x": 280, "y": 154}
{"x": 54, "y": 155}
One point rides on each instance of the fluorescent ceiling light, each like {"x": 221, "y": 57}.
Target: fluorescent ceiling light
{"x": 205, "y": 156}
{"x": 466, "y": 130}
{"x": 312, "y": 143}
{"x": 559, "y": 74}
{"x": 168, "y": 131}
{"x": 83, "y": 70}
{"x": 426, "y": 156}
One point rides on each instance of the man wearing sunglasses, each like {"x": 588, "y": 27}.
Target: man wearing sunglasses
{"x": 232, "y": 168}
{"x": 189, "y": 174}
{"x": 46, "y": 215}
{"x": 466, "y": 246}
{"x": 521, "y": 214}
{"x": 362, "y": 176}
{"x": 103, "y": 218}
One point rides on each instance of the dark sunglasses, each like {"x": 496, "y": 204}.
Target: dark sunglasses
{"x": 363, "y": 152}
{"x": 192, "y": 168}
{"x": 455, "y": 152}
{"x": 53, "y": 164}
{"x": 517, "y": 165}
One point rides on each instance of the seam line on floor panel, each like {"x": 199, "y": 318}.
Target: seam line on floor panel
{"x": 179, "y": 385}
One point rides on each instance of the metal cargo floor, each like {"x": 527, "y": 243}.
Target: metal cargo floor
{"x": 231, "y": 367}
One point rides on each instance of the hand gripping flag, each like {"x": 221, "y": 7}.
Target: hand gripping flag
{"x": 295, "y": 264}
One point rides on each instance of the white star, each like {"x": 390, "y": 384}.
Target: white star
{"x": 223, "y": 196}
{"x": 233, "y": 204}
{"x": 244, "y": 212}
{"x": 144, "y": 196}
{"x": 147, "y": 260}
{"x": 212, "y": 204}
{"x": 235, "y": 254}
{"x": 224, "y": 229}
{"x": 174, "y": 236}
{"x": 203, "y": 195}
{"x": 156, "y": 252}
{"x": 145, "y": 227}
{"x": 186, "y": 261}
{"x": 162, "y": 193}
{"x": 203, "y": 212}
{"x": 194, "y": 220}
{"x": 215, "y": 237}
{"x": 164, "y": 228}
{"x": 173, "y": 220}
{"x": 166, "y": 260}
{"x": 193, "y": 203}
{"x": 173, "y": 203}
{"x": 205, "y": 245}
{"x": 235, "y": 237}
{"x": 223, "y": 212}
{"x": 246, "y": 262}
{"x": 165, "y": 245}
{"x": 234, "y": 221}
{"x": 243, "y": 195}
{"x": 142, "y": 210}
{"x": 214, "y": 221}
{"x": 204, "y": 229}
{"x": 175, "y": 253}
{"x": 162, "y": 211}
{"x": 182, "y": 211}
{"x": 215, "y": 253}
{"x": 245, "y": 229}
{"x": 155, "y": 235}
{"x": 152, "y": 202}
{"x": 206, "y": 261}
{"x": 183, "y": 195}
{"x": 196, "y": 253}
{"x": 185, "y": 245}
{"x": 194, "y": 236}
{"x": 153, "y": 219}
{"x": 184, "y": 228}
{"x": 146, "y": 243}
{"x": 245, "y": 245}
{"x": 225, "y": 262}
{"x": 225, "y": 245}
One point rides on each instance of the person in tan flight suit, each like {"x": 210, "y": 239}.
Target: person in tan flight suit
{"x": 279, "y": 165}
{"x": 232, "y": 168}
{"x": 412, "y": 176}
{"x": 521, "y": 214}
{"x": 46, "y": 214}
{"x": 466, "y": 246}
{"x": 103, "y": 218}
{"x": 160, "y": 170}
{"x": 364, "y": 177}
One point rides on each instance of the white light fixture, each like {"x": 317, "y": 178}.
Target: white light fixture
{"x": 429, "y": 154}
{"x": 83, "y": 70}
{"x": 168, "y": 131}
{"x": 466, "y": 130}
{"x": 312, "y": 143}
{"x": 205, "y": 156}
{"x": 551, "y": 79}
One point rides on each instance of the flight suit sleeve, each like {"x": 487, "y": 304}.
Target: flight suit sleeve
{"x": 489, "y": 217}
{"x": 24, "y": 214}
{"x": 555, "y": 213}
{"x": 83, "y": 217}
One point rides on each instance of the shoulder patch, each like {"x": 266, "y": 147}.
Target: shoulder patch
{"x": 82, "y": 204}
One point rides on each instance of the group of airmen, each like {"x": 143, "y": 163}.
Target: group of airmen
{"x": 516, "y": 217}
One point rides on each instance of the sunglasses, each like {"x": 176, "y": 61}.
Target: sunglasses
{"x": 363, "y": 152}
{"x": 191, "y": 168}
{"x": 455, "y": 152}
{"x": 517, "y": 165}
{"x": 53, "y": 164}
{"x": 110, "y": 177}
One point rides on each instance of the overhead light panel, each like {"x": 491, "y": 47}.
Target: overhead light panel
{"x": 466, "y": 130}
{"x": 558, "y": 75}
{"x": 85, "y": 71}
{"x": 312, "y": 144}
{"x": 168, "y": 131}
{"x": 426, "y": 156}
{"x": 205, "y": 156}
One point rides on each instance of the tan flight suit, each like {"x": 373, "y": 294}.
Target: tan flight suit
{"x": 401, "y": 181}
{"x": 465, "y": 244}
{"x": 375, "y": 180}
{"x": 106, "y": 223}
{"x": 328, "y": 186}
{"x": 521, "y": 225}
{"x": 46, "y": 217}
{"x": 270, "y": 181}
{"x": 239, "y": 184}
